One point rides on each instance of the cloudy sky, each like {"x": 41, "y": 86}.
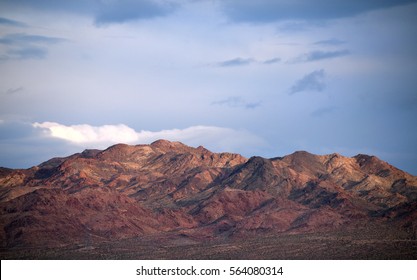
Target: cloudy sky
{"x": 265, "y": 77}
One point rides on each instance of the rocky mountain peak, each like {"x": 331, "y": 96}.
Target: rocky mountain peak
{"x": 167, "y": 146}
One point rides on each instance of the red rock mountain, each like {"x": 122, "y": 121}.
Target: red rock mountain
{"x": 167, "y": 187}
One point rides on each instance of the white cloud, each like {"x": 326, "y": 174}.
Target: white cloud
{"x": 84, "y": 133}
{"x": 212, "y": 137}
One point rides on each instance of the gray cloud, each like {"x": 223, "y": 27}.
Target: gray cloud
{"x": 320, "y": 55}
{"x": 330, "y": 42}
{"x": 10, "y": 22}
{"x": 15, "y": 130}
{"x": 323, "y": 111}
{"x": 235, "y": 62}
{"x": 23, "y": 146}
{"x": 14, "y": 90}
{"x": 22, "y": 38}
{"x": 30, "y": 52}
{"x": 52, "y": 5}
{"x": 313, "y": 81}
{"x": 237, "y": 101}
{"x": 25, "y": 46}
{"x": 128, "y": 10}
{"x": 103, "y": 12}
{"x": 238, "y": 61}
{"x": 276, "y": 10}
{"x": 272, "y": 60}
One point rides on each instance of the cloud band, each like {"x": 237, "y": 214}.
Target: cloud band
{"x": 219, "y": 138}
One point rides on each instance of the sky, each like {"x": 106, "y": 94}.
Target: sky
{"x": 265, "y": 77}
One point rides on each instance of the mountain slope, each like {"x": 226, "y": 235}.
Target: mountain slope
{"x": 170, "y": 188}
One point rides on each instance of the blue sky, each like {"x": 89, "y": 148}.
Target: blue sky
{"x": 254, "y": 77}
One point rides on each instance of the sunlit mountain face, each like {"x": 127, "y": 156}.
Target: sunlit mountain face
{"x": 171, "y": 194}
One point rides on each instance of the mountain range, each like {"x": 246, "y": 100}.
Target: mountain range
{"x": 168, "y": 191}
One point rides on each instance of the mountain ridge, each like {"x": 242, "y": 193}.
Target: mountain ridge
{"x": 167, "y": 187}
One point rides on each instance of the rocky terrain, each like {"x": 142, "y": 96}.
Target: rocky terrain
{"x": 182, "y": 199}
